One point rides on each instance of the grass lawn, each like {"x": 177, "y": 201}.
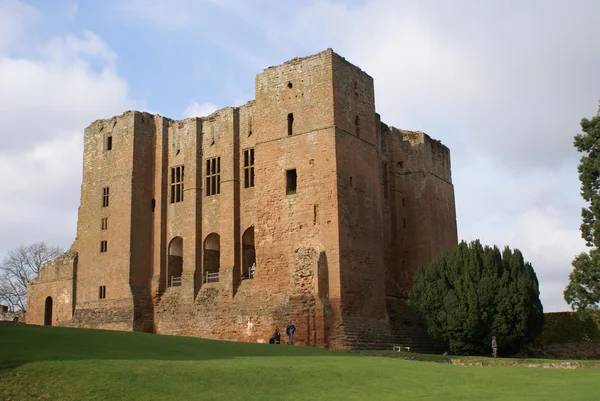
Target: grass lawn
{"x": 54, "y": 363}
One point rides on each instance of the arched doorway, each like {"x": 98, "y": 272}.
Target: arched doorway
{"x": 48, "y": 312}
{"x": 248, "y": 254}
{"x": 212, "y": 258}
{"x": 175, "y": 262}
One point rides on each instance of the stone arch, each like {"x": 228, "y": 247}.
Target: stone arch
{"x": 248, "y": 253}
{"x": 48, "y": 312}
{"x": 212, "y": 258}
{"x": 175, "y": 262}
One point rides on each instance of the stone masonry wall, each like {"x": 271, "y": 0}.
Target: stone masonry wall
{"x": 342, "y": 212}
{"x": 111, "y": 168}
{"x": 51, "y": 294}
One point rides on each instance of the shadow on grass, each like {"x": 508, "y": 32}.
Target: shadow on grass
{"x": 23, "y": 344}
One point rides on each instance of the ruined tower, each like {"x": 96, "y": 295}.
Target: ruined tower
{"x": 299, "y": 205}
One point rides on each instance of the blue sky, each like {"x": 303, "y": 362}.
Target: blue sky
{"x": 502, "y": 84}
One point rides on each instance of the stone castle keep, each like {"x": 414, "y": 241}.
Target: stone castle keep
{"x": 299, "y": 205}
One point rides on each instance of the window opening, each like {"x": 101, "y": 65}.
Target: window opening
{"x": 109, "y": 142}
{"x": 104, "y": 225}
{"x": 213, "y": 176}
{"x": 357, "y": 126}
{"x": 248, "y": 254}
{"x": 176, "y": 184}
{"x": 290, "y": 123}
{"x": 105, "y": 197}
{"x": 291, "y": 181}
{"x": 248, "y": 168}
{"x": 103, "y": 246}
{"x": 102, "y": 292}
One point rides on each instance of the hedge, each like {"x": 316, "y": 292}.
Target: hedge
{"x": 563, "y": 327}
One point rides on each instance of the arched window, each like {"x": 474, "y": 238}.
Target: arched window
{"x": 48, "y": 312}
{"x": 248, "y": 254}
{"x": 175, "y": 262}
{"x": 212, "y": 258}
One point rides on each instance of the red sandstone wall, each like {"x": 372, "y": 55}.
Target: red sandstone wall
{"x": 419, "y": 205}
{"x": 56, "y": 280}
{"x": 101, "y": 168}
{"x": 358, "y": 155}
{"x": 370, "y": 206}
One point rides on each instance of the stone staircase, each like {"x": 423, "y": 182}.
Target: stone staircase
{"x": 405, "y": 327}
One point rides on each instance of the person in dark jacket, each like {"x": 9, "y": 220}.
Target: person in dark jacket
{"x": 290, "y": 332}
{"x": 277, "y": 336}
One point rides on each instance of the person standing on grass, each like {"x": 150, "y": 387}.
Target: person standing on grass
{"x": 494, "y": 347}
{"x": 290, "y": 332}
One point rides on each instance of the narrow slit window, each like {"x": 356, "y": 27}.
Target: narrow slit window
{"x": 102, "y": 292}
{"x": 291, "y": 181}
{"x": 105, "y": 197}
{"x": 109, "y": 142}
{"x": 103, "y": 246}
{"x": 213, "y": 176}
{"x": 176, "y": 184}
{"x": 290, "y": 123}
{"x": 248, "y": 168}
{"x": 357, "y": 126}
{"x": 104, "y": 224}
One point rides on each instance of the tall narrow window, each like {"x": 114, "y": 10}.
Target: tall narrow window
{"x": 109, "y": 142}
{"x": 102, "y": 292}
{"x": 104, "y": 224}
{"x": 177, "y": 184}
{"x": 290, "y": 123}
{"x": 105, "y": 197}
{"x": 357, "y": 126}
{"x": 248, "y": 168}
{"x": 291, "y": 181}
{"x": 103, "y": 246}
{"x": 213, "y": 176}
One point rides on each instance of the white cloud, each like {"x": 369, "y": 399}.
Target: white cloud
{"x": 196, "y": 109}
{"x": 46, "y": 101}
{"x": 15, "y": 18}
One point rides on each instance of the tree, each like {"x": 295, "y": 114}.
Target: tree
{"x": 475, "y": 292}
{"x": 583, "y": 290}
{"x": 19, "y": 267}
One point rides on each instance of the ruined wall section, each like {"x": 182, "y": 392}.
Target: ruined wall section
{"x": 107, "y": 163}
{"x": 296, "y": 232}
{"x": 420, "y": 205}
{"x": 160, "y": 205}
{"x": 142, "y": 186}
{"x": 56, "y": 280}
{"x": 362, "y": 268}
{"x": 182, "y": 216}
{"x": 207, "y": 223}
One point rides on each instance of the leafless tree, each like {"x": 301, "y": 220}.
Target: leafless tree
{"x": 18, "y": 268}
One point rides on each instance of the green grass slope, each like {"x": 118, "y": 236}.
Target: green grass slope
{"x": 53, "y": 363}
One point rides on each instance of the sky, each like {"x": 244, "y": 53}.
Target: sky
{"x": 503, "y": 84}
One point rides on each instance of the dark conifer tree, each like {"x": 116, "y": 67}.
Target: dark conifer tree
{"x": 475, "y": 292}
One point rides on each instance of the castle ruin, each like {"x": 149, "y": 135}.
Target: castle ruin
{"x": 300, "y": 205}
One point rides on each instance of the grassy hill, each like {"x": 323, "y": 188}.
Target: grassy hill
{"x": 54, "y": 363}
